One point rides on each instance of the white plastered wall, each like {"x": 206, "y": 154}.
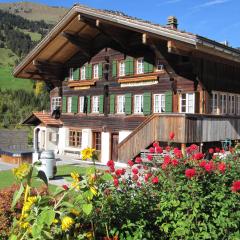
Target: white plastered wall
{"x": 105, "y": 151}
{"x": 123, "y": 134}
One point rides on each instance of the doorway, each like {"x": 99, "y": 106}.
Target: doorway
{"x": 114, "y": 146}
{"x": 97, "y": 143}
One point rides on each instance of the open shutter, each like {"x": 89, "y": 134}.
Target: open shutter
{"x": 76, "y": 72}
{"x": 114, "y": 68}
{"x": 101, "y": 103}
{"x": 147, "y": 103}
{"x": 89, "y": 71}
{"x": 168, "y": 101}
{"x": 74, "y": 108}
{"x": 89, "y": 104}
{"x": 112, "y": 104}
{"x": 148, "y": 67}
{"x": 128, "y": 103}
{"x": 64, "y": 104}
{"x": 100, "y": 70}
{"x": 129, "y": 66}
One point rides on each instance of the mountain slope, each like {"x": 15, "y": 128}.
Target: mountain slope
{"x": 34, "y": 11}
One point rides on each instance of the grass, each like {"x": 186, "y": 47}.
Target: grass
{"x": 7, "y": 179}
{"x": 34, "y": 35}
{"x": 7, "y": 81}
{"x": 7, "y": 57}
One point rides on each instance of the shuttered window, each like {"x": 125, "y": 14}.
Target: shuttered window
{"x": 88, "y": 70}
{"x": 75, "y": 138}
{"x": 101, "y": 104}
{"x": 168, "y": 101}
{"x": 129, "y": 66}
{"x": 147, "y": 103}
{"x": 120, "y": 104}
{"x": 148, "y": 67}
{"x": 159, "y": 103}
{"x": 74, "y": 74}
{"x": 112, "y": 104}
{"x": 140, "y": 66}
{"x": 64, "y": 104}
{"x": 223, "y": 103}
{"x": 128, "y": 103}
{"x": 187, "y": 103}
{"x": 121, "y": 69}
{"x": 55, "y": 103}
{"x": 69, "y": 104}
{"x": 138, "y": 104}
{"x": 100, "y": 70}
{"x": 81, "y": 104}
{"x": 83, "y": 73}
{"x": 95, "y": 71}
{"x": 74, "y": 107}
{"x": 114, "y": 68}
{"x": 214, "y": 103}
{"x": 88, "y": 104}
{"x": 95, "y": 104}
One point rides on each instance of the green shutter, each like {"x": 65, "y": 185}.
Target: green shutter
{"x": 101, "y": 103}
{"x": 112, "y": 104}
{"x": 128, "y": 103}
{"x": 114, "y": 68}
{"x": 89, "y": 71}
{"x": 88, "y": 104}
{"x": 64, "y": 104}
{"x": 76, "y": 72}
{"x": 168, "y": 101}
{"x": 148, "y": 67}
{"x": 74, "y": 108}
{"x": 147, "y": 103}
{"x": 100, "y": 70}
{"x": 129, "y": 66}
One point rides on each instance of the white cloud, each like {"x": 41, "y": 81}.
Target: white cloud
{"x": 211, "y": 3}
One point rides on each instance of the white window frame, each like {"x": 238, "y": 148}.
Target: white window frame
{"x": 159, "y": 103}
{"x": 138, "y": 104}
{"x": 55, "y": 102}
{"x": 187, "y": 105}
{"x": 215, "y": 103}
{"x": 71, "y": 74}
{"x": 121, "y": 69}
{"x": 120, "y": 104}
{"x": 95, "y": 71}
{"x": 81, "y": 104}
{"x": 223, "y": 103}
{"x": 69, "y": 104}
{"x": 95, "y": 104}
{"x": 231, "y": 104}
{"x": 159, "y": 65}
{"x": 140, "y": 66}
{"x": 83, "y": 73}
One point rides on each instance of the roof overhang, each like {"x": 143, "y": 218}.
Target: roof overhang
{"x": 86, "y": 31}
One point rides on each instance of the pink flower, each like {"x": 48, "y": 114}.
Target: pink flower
{"x": 222, "y": 167}
{"x": 164, "y": 166}
{"x": 135, "y": 171}
{"x": 155, "y": 144}
{"x": 138, "y": 160}
{"x": 155, "y": 180}
{"x": 130, "y": 163}
{"x": 194, "y": 147}
{"x": 235, "y": 186}
{"x": 151, "y": 150}
{"x": 190, "y": 173}
{"x": 150, "y": 157}
{"x": 168, "y": 148}
{"x": 171, "y": 135}
{"x": 211, "y": 150}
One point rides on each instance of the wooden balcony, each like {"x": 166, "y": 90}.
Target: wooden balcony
{"x": 188, "y": 128}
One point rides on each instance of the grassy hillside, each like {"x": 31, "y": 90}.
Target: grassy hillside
{"x": 34, "y": 11}
{"x": 7, "y": 57}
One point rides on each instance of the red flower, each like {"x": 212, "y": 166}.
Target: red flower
{"x": 190, "y": 172}
{"x": 175, "y": 162}
{"x": 164, "y": 166}
{"x": 202, "y": 163}
{"x": 235, "y": 186}
{"x": 135, "y": 171}
{"x": 145, "y": 167}
{"x": 139, "y": 184}
{"x": 166, "y": 160}
{"x": 168, "y": 148}
{"x": 135, "y": 177}
{"x": 110, "y": 163}
{"x": 158, "y": 149}
{"x": 130, "y": 163}
{"x": 115, "y": 182}
{"x": 138, "y": 160}
{"x": 151, "y": 150}
{"x": 155, "y": 144}
{"x": 150, "y": 157}
{"x": 155, "y": 180}
{"x": 194, "y": 147}
{"x": 198, "y": 156}
{"x": 208, "y": 167}
{"x": 217, "y": 149}
{"x": 112, "y": 169}
{"x": 211, "y": 150}
{"x": 65, "y": 187}
{"x": 177, "y": 152}
{"x": 147, "y": 176}
{"x": 222, "y": 167}
{"x": 171, "y": 135}
{"x": 120, "y": 172}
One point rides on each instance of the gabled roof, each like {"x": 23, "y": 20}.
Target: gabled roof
{"x": 42, "y": 117}
{"x": 87, "y": 30}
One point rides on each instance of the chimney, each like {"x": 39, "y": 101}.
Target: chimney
{"x": 172, "y": 22}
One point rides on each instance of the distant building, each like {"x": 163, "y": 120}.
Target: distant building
{"x": 122, "y": 83}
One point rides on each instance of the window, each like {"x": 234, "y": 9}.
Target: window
{"x": 95, "y": 104}
{"x": 187, "y": 103}
{"x": 95, "y": 71}
{"x": 121, "y": 104}
{"x": 53, "y": 137}
{"x": 69, "y": 104}
{"x": 83, "y": 73}
{"x": 159, "y": 66}
{"x": 223, "y": 103}
{"x": 138, "y": 104}
{"x": 159, "y": 103}
{"x": 121, "y": 68}
{"x": 238, "y": 105}
{"x": 55, "y": 102}
{"x": 231, "y": 104}
{"x": 75, "y": 138}
{"x": 71, "y": 74}
{"x": 214, "y": 103}
{"x": 140, "y": 66}
{"x": 97, "y": 141}
{"x": 81, "y": 104}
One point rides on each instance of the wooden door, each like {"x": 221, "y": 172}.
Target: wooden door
{"x": 114, "y": 146}
{"x": 97, "y": 143}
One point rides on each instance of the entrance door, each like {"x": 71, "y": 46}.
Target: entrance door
{"x": 97, "y": 143}
{"x": 114, "y": 146}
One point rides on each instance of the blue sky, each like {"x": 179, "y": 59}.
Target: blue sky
{"x": 216, "y": 19}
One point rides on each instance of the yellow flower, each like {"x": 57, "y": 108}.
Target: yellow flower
{"x": 93, "y": 190}
{"x": 32, "y": 200}
{"x": 75, "y": 184}
{"x": 67, "y": 223}
{"x": 75, "y": 211}
{"x": 89, "y": 235}
{"x": 75, "y": 176}
{"x": 22, "y": 171}
{"x": 87, "y": 153}
{"x": 92, "y": 179}
{"x": 28, "y": 204}
{"x": 55, "y": 221}
{"x": 24, "y": 225}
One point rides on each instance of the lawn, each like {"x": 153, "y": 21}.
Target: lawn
{"x": 7, "y": 178}
{"x": 7, "y": 57}
{"x": 7, "y": 81}
{"x": 34, "y": 35}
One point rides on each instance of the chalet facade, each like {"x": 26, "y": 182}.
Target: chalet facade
{"x": 122, "y": 83}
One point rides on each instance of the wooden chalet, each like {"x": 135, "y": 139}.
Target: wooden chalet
{"x": 122, "y": 83}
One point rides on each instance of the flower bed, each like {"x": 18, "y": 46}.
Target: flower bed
{"x": 170, "y": 197}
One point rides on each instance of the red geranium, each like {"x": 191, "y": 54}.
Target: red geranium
{"x": 130, "y": 163}
{"x": 150, "y": 157}
{"x": 65, "y": 187}
{"x": 190, "y": 172}
{"x": 155, "y": 180}
{"x": 164, "y": 166}
{"x": 175, "y": 162}
{"x": 202, "y": 163}
{"x": 235, "y": 186}
{"x": 147, "y": 176}
{"x": 115, "y": 182}
{"x": 135, "y": 171}
{"x": 138, "y": 160}
{"x": 168, "y": 148}
{"x": 135, "y": 177}
{"x": 151, "y": 150}
{"x": 211, "y": 150}
{"x": 171, "y": 135}
{"x": 158, "y": 149}
{"x": 217, "y": 149}
{"x": 177, "y": 152}
{"x": 155, "y": 144}
{"x": 110, "y": 163}
{"x": 222, "y": 167}
{"x": 198, "y": 156}
{"x": 208, "y": 167}
{"x": 112, "y": 169}
{"x": 166, "y": 159}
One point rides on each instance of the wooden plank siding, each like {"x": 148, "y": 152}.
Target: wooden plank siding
{"x": 188, "y": 128}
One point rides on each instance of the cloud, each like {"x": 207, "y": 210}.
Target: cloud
{"x": 168, "y": 2}
{"x": 211, "y": 3}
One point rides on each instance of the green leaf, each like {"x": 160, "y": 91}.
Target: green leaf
{"x": 107, "y": 177}
{"x": 36, "y": 230}
{"x": 13, "y": 237}
{"x": 47, "y": 216}
{"x": 17, "y": 196}
{"x": 87, "y": 208}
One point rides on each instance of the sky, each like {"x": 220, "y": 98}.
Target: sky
{"x": 215, "y": 19}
